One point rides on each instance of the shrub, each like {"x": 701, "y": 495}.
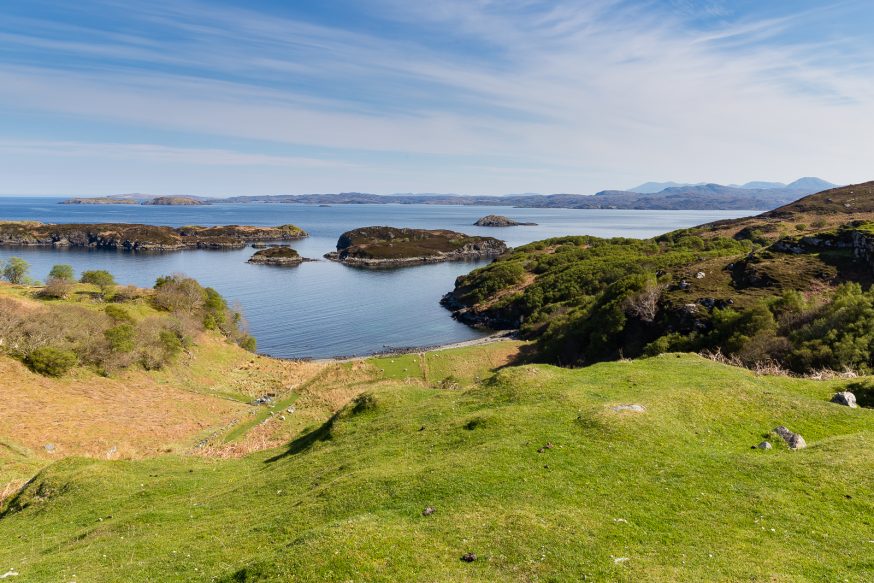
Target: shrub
{"x": 15, "y": 270}
{"x": 62, "y": 272}
{"x": 56, "y": 288}
{"x": 121, "y": 338}
{"x": 249, "y": 343}
{"x": 50, "y": 361}
{"x": 177, "y": 293}
{"x": 118, "y": 314}
{"x": 99, "y": 277}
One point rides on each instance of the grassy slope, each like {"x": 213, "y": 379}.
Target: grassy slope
{"x": 133, "y": 413}
{"x": 676, "y": 490}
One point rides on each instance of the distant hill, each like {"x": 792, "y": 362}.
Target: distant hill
{"x": 653, "y": 187}
{"x": 759, "y": 185}
{"x": 680, "y": 197}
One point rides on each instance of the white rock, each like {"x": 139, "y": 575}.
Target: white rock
{"x": 845, "y": 398}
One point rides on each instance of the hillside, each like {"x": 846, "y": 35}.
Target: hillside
{"x": 533, "y": 471}
{"x": 785, "y": 288}
{"x": 657, "y": 196}
{"x": 222, "y": 465}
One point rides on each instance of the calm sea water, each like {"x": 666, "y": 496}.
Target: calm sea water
{"x": 327, "y": 309}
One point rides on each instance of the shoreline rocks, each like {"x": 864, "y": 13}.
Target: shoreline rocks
{"x": 134, "y": 237}
{"x": 499, "y": 221}
{"x": 397, "y": 247}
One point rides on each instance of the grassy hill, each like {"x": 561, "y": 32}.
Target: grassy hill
{"x": 530, "y": 469}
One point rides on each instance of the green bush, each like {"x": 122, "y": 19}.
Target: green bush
{"x": 99, "y": 277}
{"x": 51, "y": 362}
{"x": 15, "y": 270}
{"x": 121, "y": 338}
{"x": 62, "y": 272}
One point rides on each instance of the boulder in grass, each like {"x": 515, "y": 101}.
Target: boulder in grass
{"x": 792, "y": 439}
{"x": 845, "y": 398}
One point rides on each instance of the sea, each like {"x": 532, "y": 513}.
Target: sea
{"x": 324, "y": 309}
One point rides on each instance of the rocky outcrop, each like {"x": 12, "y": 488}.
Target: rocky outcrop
{"x": 279, "y": 256}
{"x": 394, "y": 247}
{"x": 131, "y": 237}
{"x": 499, "y": 221}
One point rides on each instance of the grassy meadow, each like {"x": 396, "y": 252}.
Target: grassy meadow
{"x": 529, "y": 468}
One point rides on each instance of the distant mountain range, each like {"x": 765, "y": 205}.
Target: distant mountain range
{"x": 676, "y": 196}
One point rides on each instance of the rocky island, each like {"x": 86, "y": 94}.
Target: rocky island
{"x": 100, "y": 200}
{"x": 393, "y": 247}
{"x": 133, "y": 237}
{"x": 279, "y": 255}
{"x": 175, "y": 201}
{"x": 500, "y": 221}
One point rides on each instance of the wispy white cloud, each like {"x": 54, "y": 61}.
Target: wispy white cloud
{"x": 581, "y": 95}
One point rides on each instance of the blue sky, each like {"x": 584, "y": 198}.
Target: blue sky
{"x": 472, "y": 96}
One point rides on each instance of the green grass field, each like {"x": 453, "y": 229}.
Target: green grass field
{"x": 671, "y": 494}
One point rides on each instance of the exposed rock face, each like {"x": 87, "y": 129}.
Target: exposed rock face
{"x": 498, "y": 221}
{"x": 793, "y": 440}
{"x": 281, "y": 256}
{"x": 141, "y": 237}
{"x": 393, "y": 247}
{"x": 845, "y": 398}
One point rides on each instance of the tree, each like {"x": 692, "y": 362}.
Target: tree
{"x": 63, "y": 272}
{"x": 15, "y": 270}
{"x": 99, "y": 277}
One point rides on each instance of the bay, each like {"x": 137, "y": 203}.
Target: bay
{"x": 324, "y": 309}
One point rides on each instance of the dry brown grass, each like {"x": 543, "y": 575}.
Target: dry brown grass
{"x": 90, "y": 415}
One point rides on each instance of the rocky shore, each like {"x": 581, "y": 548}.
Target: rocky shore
{"x": 397, "y": 247}
{"x": 132, "y": 237}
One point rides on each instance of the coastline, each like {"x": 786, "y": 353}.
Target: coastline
{"x": 499, "y": 336}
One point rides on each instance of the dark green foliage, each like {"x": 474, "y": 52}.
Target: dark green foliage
{"x": 838, "y": 335}
{"x": 51, "y": 362}
{"x": 63, "y": 272}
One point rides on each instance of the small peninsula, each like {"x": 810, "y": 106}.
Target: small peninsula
{"x": 133, "y": 237}
{"x": 394, "y": 247}
{"x": 500, "y": 221}
{"x": 279, "y": 255}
